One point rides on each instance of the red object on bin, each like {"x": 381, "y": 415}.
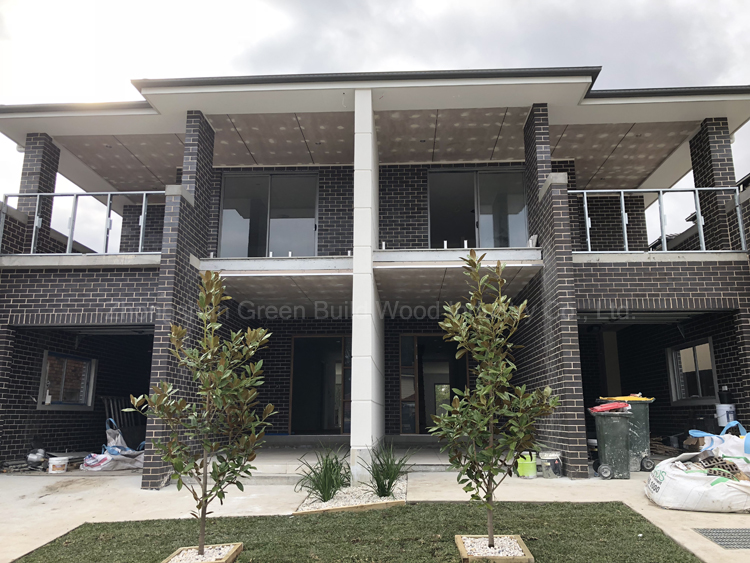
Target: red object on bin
{"x": 609, "y": 407}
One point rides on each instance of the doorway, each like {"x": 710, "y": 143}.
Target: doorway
{"x": 321, "y": 385}
{"x": 429, "y": 373}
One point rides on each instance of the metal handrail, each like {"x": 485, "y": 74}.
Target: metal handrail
{"x": 74, "y": 213}
{"x": 662, "y": 221}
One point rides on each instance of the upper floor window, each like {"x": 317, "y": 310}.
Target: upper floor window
{"x": 693, "y": 373}
{"x": 67, "y": 382}
{"x": 455, "y": 197}
{"x": 269, "y": 215}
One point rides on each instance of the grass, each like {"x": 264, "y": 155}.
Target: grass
{"x": 421, "y": 533}
{"x": 329, "y": 474}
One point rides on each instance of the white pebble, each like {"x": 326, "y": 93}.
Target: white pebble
{"x": 350, "y": 496}
{"x": 504, "y": 546}
{"x": 209, "y": 554}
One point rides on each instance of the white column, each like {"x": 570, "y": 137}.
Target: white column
{"x": 368, "y": 382}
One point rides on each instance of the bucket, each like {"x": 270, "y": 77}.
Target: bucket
{"x": 725, "y": 414}
{"x": 551, "y": 464}
{"x": 58, "y": 465}
{"x": 527, "y": 465}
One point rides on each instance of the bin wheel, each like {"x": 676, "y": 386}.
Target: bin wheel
{"x": 596, "y": 465}
{"x": 606, "y": 472}
{"x": 647, "y": 464}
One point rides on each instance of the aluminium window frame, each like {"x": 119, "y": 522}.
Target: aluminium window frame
{"x": 88, "y": 406}
{"x": 673, "y": 373}
{"x": 270, "y": 175}
{"x": 476, "y": 171}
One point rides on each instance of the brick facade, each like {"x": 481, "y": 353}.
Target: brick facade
{"x": 335, "y": 205}
{"x": 131, "y": 228}
{"x": 185, "y": 234}
{"x": 711, "y": 155}
{"x": 606, "y": 223}
{"x": 550, "y": 335}
{"x": 39, "y": 175}
{"x": 404, "y": 221}
{"x": 622, "y": 288}
{"x": 124, "y": 364}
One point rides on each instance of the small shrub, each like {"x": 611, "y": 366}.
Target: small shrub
{"x": 329, "y": 474}
{"x": 385, "y": 469}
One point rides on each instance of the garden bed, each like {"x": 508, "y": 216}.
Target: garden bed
{"x": 359, "y": 497}
{"x": 421, "y": 533}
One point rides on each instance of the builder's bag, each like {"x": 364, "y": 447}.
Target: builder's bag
{"x": 682, "y": 483}
{"x": 729, "y": 446}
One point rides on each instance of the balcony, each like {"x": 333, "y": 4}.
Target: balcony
{"x": 98, "y": 229}
{"x": 636, "y": 224}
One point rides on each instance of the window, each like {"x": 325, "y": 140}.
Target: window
{"x": 454, "y": 198}
{"x": 692, "y": 373}
{"x": 264, "y": 215}
{"x": 67, "y": 382}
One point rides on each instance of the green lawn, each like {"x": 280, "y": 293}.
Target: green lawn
{"x": 554, "y": 532}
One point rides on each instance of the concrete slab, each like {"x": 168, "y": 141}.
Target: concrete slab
{"x": 46, "y": 506}
{"x": 679, "y": 525}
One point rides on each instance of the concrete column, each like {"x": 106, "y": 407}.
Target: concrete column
{"x": 368, "y": 382}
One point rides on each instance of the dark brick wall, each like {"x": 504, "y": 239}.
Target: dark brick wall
{"x": 185, "y": 233}
{"x": 39, "y": 175}
{"x": 335, "y": 205}
{"x": 403, "y": 201}
{"x": 550, "y": 336}
{"x": 277, "y": 361}
{"x": 124, "y": 364}
{"x": 14, "y": 233}
{"x": 131, "y": 228}
{"x": 622, "y": 288}
{"x": 606, "y": 223}
{"x": 713, "y": 166}
{"x": 644, "y": 369}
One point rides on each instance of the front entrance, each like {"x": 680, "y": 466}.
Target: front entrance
{"x": 321, "y": 385}
{"x": 429, "y": 372}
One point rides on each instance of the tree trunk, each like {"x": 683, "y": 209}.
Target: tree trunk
{"x": 204, "y": 487}
{"x": 490, "y": 526}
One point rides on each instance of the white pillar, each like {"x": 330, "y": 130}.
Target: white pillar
{"x": 368, "y": 382}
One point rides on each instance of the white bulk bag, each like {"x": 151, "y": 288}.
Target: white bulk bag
{"x": 671, "y": 487}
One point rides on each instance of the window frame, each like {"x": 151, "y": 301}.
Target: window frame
{"x": 270, "y": 175}
{"x": 476, "y": 171}
{"x": 673, "y": 373}
{"x": 90, "y": 394}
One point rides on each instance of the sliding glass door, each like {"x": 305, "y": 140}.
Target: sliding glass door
{"x": 454, "y": 198}
{"x": 269, "y": 215}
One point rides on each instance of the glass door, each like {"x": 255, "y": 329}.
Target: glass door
{"x": 269, "y": 215}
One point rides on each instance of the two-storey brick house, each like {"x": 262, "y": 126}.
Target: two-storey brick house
{"x": 337, "y": 208}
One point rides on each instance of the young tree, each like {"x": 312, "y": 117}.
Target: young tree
{"x": 486, "y": 430}
{"x": 213, "y": 440}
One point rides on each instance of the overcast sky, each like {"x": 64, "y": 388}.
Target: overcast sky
{"x": 88, "y": 50}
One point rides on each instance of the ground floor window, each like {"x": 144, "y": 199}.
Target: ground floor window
{"x": 693, "y": 373}
{"x": 67, "y": 382}
{"x": 321, "y": 385}
{"x": 429, "y": 371}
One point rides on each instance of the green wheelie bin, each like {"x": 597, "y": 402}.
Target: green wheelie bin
{"x": 613, "y": 437}
{"x": 640, "y": 431}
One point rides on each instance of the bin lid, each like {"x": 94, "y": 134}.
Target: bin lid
{"x": 628, "y": 398}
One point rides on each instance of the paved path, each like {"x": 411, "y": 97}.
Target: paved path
{"x": 38, "y": 508}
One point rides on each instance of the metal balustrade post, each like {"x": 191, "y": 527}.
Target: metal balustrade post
{"x": 72, "y": 224}
{"x": 624, "y": 217}
{"x": 143, "y": 222}
{"x": 588, "y": 221}
{"x": 699, "y": 218}
{"x": 37, "y": 221}
{"x": 662, "y": 222}
{"x": 3, "y": 213}
{"x": 738, "y": 208}
{"x": 107, "y": 223}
